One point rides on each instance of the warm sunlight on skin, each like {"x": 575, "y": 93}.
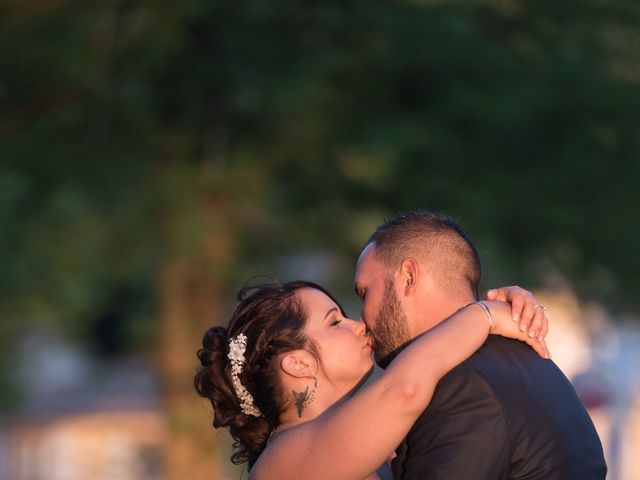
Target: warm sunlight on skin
{"x": 343, "y": 345}
{"x": 329, "y": 417}
{"x": 369, "y": 285}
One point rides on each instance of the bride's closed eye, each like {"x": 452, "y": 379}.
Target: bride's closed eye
{"x": 335, "y": 321}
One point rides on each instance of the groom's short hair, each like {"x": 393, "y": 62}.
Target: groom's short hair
{"x": 434, "y": 238}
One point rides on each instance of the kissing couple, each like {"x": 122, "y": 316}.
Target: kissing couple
{"x": 468, "y": 391}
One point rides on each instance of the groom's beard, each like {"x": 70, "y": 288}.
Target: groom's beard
{"x": 392, "y": 330}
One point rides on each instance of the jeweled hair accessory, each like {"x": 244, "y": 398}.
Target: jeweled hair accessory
{"x": 237, "y": 347}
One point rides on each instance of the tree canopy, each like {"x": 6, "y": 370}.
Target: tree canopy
{"x": 231, "y": 134}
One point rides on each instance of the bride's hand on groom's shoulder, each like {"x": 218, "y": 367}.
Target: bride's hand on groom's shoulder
{"x": 525, "y": 309}
{"x": 528, "y": 324}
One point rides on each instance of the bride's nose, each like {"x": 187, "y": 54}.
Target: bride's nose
{"x": 359, "y": 327}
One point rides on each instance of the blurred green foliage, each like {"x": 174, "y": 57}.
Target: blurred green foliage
{"x": 131, "y": 130}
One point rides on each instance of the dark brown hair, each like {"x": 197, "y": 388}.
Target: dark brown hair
{"x": 273, "y": 319}
{"x": 437, "y": 237}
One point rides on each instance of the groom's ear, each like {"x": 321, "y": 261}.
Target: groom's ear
{"x": 409, "y": 271}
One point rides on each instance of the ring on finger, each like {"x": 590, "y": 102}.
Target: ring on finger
{"x": 541, "y": 307}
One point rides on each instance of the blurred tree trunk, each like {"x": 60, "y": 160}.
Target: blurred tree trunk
{"x": 188, "y": 304}
{"x": 192, "y": 299}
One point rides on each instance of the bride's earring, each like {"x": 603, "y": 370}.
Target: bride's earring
{"x": 315, "y": 381}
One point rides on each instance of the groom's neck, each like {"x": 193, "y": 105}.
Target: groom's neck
{"x": 438, "y": 309}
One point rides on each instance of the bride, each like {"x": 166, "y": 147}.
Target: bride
{"x": 284, "y": 379}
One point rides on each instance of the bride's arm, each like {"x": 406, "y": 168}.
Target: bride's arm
{"x": 353, "y": 439}
{"x": 525, "y": 309}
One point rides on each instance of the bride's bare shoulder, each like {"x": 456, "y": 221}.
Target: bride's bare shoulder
{"x": 285, "y": 455}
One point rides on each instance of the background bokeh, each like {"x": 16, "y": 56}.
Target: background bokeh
{"x": 155, "y": 155}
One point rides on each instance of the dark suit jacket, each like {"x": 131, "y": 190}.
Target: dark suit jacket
{"x": 505, "y": 413}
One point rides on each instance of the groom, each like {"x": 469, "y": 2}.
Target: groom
{"x": 505, "y": 412}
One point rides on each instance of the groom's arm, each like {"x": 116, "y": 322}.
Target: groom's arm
{"x": 462, "y": 435}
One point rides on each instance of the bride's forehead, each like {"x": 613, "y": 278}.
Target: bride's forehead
{"x": 312, "y": 299}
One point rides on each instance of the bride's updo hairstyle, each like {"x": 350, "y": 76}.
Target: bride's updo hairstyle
{"x": 272, "y": 318}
